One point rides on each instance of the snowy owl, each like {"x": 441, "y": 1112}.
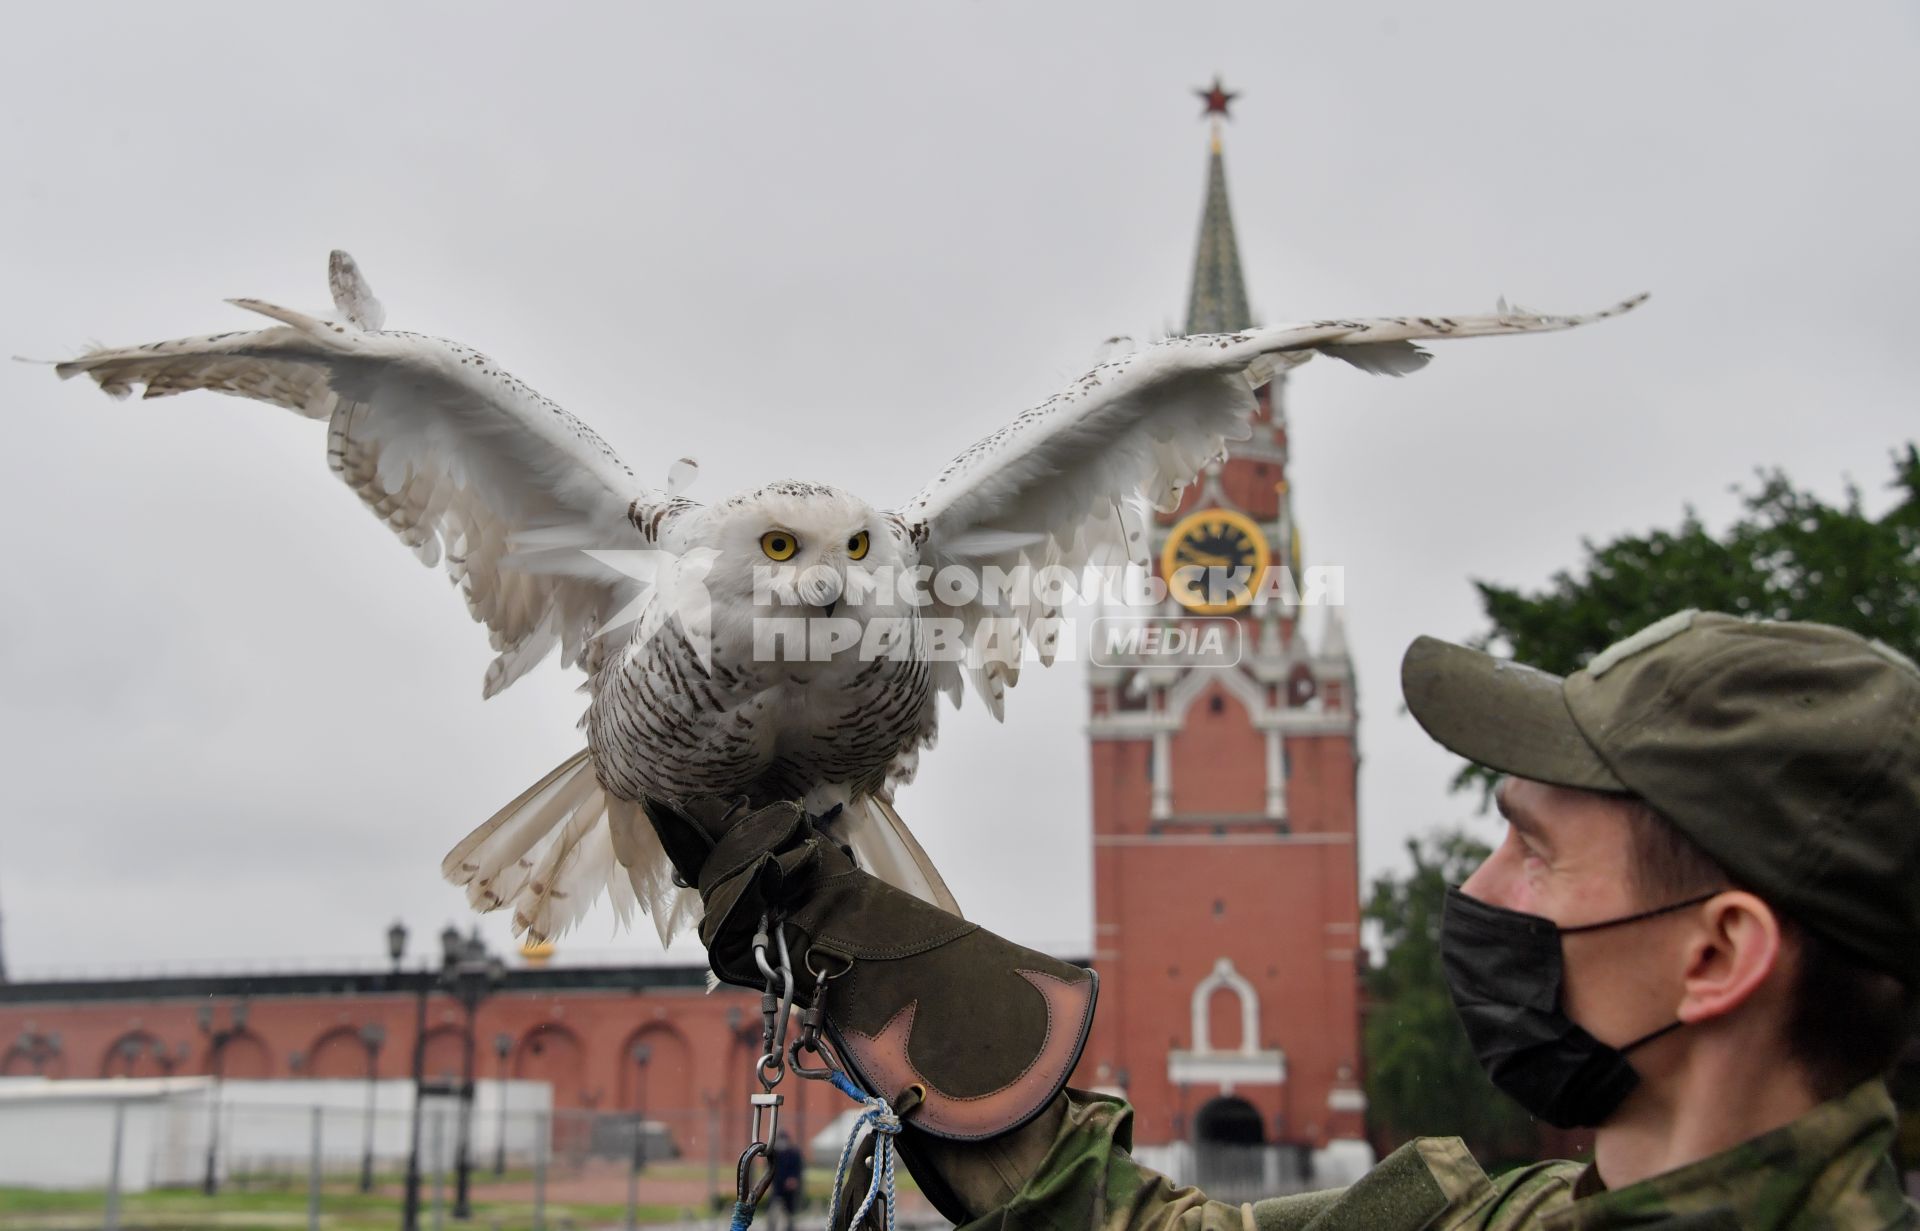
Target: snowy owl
{"x": 532, "y": 513}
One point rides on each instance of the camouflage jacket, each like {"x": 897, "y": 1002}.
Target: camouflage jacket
{"x": 1827, "y": 1171}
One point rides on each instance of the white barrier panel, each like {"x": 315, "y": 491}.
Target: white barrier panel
{"x": 59, "y": 1134}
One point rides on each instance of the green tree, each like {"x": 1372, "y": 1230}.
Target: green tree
{"x": 1422, "y": 1078}
{"x": 1788, "y": 556}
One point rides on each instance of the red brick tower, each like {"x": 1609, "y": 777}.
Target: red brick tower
{"x": 1226, "y": 895}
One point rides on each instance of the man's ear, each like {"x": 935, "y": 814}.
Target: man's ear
{"x": 1731, "y": 956}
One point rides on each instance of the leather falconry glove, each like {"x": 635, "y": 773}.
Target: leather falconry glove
{"x": 968, "y": 1036}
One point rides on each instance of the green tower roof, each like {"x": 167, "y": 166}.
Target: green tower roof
{"x": 1218, "y": 303}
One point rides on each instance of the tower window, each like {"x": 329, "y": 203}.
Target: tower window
{"x": 1217, "y": 704}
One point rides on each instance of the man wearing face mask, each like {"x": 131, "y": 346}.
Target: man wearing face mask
{"x": 1700, "y": 937}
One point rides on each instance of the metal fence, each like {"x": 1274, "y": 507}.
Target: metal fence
{"x": 193, "y": 1160}
{"x": 184, "y": 1152}
{"x": 155, "y": 1163}
{"x": 1232, "y": 1173}
{"x": 1237, "y": 1173}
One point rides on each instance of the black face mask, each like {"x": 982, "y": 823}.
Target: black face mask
{"x": 1506, "y": 973}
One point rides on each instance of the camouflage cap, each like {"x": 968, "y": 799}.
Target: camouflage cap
{"x": 1789, "y": 752}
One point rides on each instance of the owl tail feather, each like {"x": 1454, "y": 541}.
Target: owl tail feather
{"x": 885, "y": 846}
{"x": 564, "y": 841}
{"x": 551, "y": 853}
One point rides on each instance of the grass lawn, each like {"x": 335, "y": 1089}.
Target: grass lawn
{"x": 24, "y": 1209}
{"x": 280, "y": 1204}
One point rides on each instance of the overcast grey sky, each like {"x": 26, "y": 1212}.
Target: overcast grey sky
{"x": 839, "y": 242}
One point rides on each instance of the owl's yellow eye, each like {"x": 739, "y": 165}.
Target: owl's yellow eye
{"x": 779, "y": 545}
{"x": 857, "y": 546}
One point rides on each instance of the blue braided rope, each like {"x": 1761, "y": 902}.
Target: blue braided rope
{"x": 742, "y": 1216}
{"x": 880, "y": 1118}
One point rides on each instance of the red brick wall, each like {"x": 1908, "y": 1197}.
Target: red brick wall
{"x": 581, "y": 1041}
{"x": 1252, "y": 487}
{"x": 1265, "y": 905}
{"x": 1219, "y": 761}
{"x": 1281, "y": 902}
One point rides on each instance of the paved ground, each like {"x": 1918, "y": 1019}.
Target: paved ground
{"x": 604, "y": 1182}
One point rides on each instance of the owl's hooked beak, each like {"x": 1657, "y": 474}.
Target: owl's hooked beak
{"x": 828, "y": 606}
{"x": 822, "y": 587}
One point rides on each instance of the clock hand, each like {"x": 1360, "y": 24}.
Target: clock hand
{"x": 1205, "y": 559}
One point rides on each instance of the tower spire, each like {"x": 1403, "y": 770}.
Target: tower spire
{"x": 1218, "y": 301}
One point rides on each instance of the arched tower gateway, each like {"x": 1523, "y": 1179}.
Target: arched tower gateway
{"x": 1226, "y": 878}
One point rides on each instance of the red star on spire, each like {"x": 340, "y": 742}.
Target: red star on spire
{"x": 1217, "y": 98}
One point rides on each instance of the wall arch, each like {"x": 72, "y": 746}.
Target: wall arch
{"x": 1217, "y": 758}
{"x": 1229, "y": 1120}
{"x": 1224, "y": 977}
{"x": 1234, "y": 685}
{"x": 669, "y": 1091}
{"x": 244, "y": 1055}
{"x": 131, "y": 1055}
{"x": 552, "y": 1053}
{"x": 445, "y": 1056}
{"x": 337, "y": 1053}
{"x": 1225, "y": 1020}
{"x": 19, "y": 1061}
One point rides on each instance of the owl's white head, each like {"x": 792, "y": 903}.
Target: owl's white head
{"x": 793, "y": 549}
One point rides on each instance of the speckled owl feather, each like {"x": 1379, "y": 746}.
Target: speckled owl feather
{"x": 528, "y": 509}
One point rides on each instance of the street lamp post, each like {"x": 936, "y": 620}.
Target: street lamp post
{"x": 713, "y": 1149}
{"x": 712, "y": 1099}
{"x": 641, "y": 1054}
{"x": 167, "y": 1061}
{"x": 372, "y": 1035}
{"x": 502, "y": 1047}
{"x": 217, "y": 1041}
{"x": 396, "y": 950}
{"x": 471, "y": 974}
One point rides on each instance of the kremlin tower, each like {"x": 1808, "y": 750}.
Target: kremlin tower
{"x": 1225, "y": 860}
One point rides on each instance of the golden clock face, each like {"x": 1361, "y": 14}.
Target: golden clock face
{"x": 1223, "y": 554}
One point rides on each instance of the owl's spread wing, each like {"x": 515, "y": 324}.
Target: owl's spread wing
{"x": 1070, "y": 481}
{"x": 461, "y": 460}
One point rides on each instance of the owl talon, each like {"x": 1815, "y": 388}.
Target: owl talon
{"x": 823, "y": 820}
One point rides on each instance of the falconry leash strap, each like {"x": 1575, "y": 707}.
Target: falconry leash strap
{"x": 869, "y": 1142}
{"x": 962, "y": 1035}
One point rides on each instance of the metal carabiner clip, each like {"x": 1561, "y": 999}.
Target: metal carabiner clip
{"x": 766, "y": 1126}
{"x": 800, "y": 1068}
{"x": 761, "y": 942}
{"x": 745, "y": 1190}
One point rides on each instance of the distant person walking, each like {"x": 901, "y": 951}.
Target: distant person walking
{"x": 789, "y": 1169}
